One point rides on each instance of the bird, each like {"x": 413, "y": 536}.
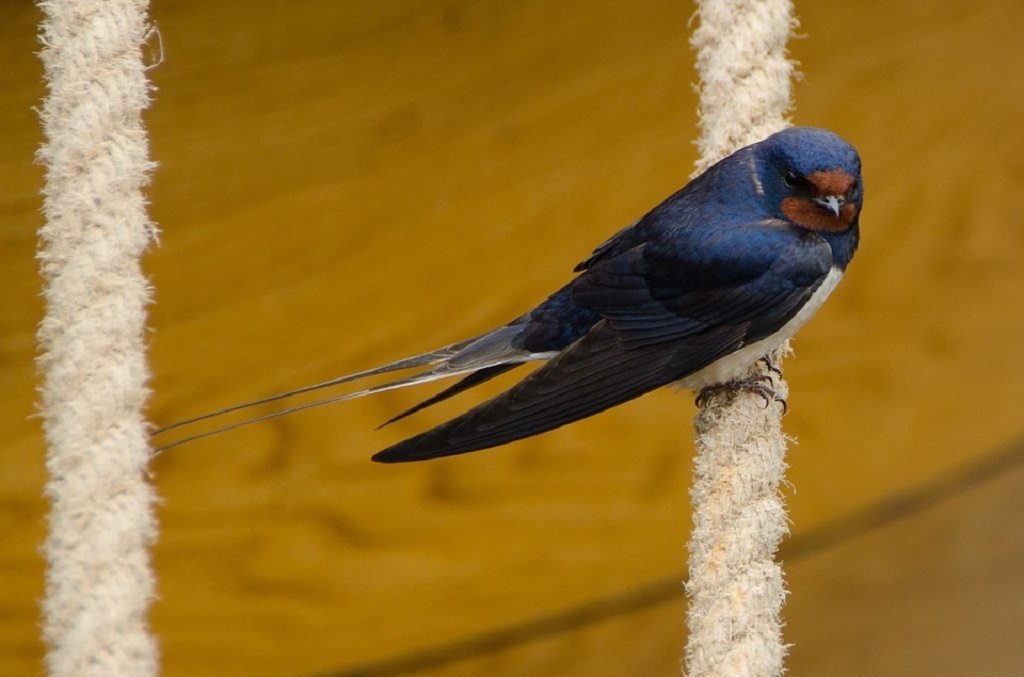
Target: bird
{"x": 711, "y": 280}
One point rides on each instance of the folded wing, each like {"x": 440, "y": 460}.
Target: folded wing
{"x": 670, "y": 308}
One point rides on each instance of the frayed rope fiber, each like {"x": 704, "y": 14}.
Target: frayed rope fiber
{"x": 736, "y": 588}
{"x": 99, "y": 580}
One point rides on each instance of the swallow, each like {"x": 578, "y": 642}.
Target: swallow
{"x": 711, "y": 280}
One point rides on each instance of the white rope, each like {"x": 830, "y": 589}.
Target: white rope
{"x": 92, "y": 355}
{"x": 736, "y": 588}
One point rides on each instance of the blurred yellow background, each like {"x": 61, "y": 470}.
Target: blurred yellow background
{"x": 345, "y": 183}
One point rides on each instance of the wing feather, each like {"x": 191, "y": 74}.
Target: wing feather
{"x": 670, "y": 309}
{"x": 594, "y": 374}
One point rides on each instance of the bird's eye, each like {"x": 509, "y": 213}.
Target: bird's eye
{"x": 790, "y": 179}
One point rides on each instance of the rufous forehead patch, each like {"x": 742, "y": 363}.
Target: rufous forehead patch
{"x": 831, "y": 182}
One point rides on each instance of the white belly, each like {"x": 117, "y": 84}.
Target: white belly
{"x": 735, "y": 364}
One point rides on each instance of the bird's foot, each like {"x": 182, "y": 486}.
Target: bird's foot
{"x": 760, "y": 384}
{"x": 770, "y": 365}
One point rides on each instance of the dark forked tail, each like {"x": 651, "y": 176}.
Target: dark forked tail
{"x": 486, "y": 355}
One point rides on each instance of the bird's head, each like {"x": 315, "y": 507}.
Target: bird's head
{"x": 811, "y": 177}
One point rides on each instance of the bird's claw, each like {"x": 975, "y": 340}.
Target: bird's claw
{"x": 770, "y": 365}
{"x": 752, "y": 384}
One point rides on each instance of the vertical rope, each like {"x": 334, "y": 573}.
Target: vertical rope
{"x": 92, "y": 355}
{"x": 736, "y": 588}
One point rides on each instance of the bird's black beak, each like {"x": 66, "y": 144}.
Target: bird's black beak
{"x": 833, "y": 203}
